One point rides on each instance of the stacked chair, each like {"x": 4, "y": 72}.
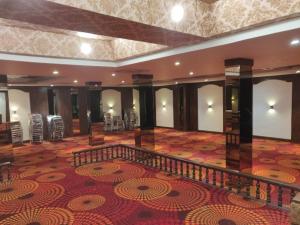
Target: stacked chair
{"x": 16, "y": 133}
{"x": 108, "y": 122}
{"x": 55, "y": 127}
{"x": 36, "y": 128}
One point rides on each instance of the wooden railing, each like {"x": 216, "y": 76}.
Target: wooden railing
{"x": 274, "y": 193}
{"x": 5, "y": 174}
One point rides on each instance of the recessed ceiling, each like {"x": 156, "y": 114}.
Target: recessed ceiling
{"x": 269, "y": 53}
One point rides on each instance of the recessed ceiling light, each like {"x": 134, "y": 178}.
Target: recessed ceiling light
{"x": 298, "y": 71}
{"x": 75, "y": 81}
{"x": 295, "y": 42}
{"x": 177, "y": 63}
{"x": 176, "y": 82}
{"x": 9, "y": 85}
{"x": 191, "y": 73}
{"x": 177, "y": 13}
{"x": 206, "y": 80}
{"x": 113, "y": 74}
{"x": 123, "y": 81}
{"x": 86, "y": 48}
{"x": 51, "y": 85}
{"x": 55, "y": 72}
{"x": 87, "y": 35}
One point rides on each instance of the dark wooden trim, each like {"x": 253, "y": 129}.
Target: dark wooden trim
{"x": 287, "y": 78}
{"x": 7, "y": 107}
{"x": 119, "y": 89}
{"x": 296, "y": 110}
{"x": 170, "y": 87}
{"x": 220, "y": 83}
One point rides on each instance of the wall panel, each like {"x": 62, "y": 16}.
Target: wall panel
{"x": 164, "y": 108}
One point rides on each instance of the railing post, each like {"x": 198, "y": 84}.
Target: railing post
{"x": 280, "y": 192}
{"x": 181, "y": 168}
{"x": 79, "y": 158}
{"x": 200, "y": 173}
{"x": 239, "y": 184}
{"x": 230, "y": 182}
{"x": 74, "y": 161}
{"x": 176, "y": 167}
{"x": 268, "y": 193}
{"x": 171, "y": 165}
{"x": 222, "y": 179}
{"x": 187, "y": 170}
{"x": 166, "y": 165}
{"x": 214, "y": 177}
{"x": 160, "y": 162}
{"x": 194, "y": 172}
{"x": 248, "y": 188}
{"x": 207, "y": 176}
{"x": 1, "y": 175}
{"x": 257, "y": 189}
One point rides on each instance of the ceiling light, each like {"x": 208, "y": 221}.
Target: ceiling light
{"x": 177, "y": 13}
{"x": 295, "y": 42}
{"x": 86, "y": 48}
{"x": 176, "y": 82}
{"x": 75, "y": 81}
{"x": 206, "y": 80}
{"x": 51, "y": 85}
{"x": 177, "y": 63}
{"x": 123, "y": 81}
{"x": 113, "y": 74}
{"x": 55, "y": 72}
{"x": 298, "y": 71}
{"x": 87, "y": 35}
{"x": 191, "y": 73}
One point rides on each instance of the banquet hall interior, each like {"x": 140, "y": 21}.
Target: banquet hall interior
{"x": 159, "y": 112}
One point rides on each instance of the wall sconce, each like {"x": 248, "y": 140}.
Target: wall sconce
{"x": 14, "y": 112}
{"x": 210, "y": 108}
{"x": 133, "y": 106}
{"x": 110, "y": 108}
{"x": 271, "y": 107}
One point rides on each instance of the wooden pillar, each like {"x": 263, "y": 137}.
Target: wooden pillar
{"x": 64, "y": 108}
{"x": 296, "y": 110}
{"x": 239, "y": 97}
{"x": 83, "y": 108}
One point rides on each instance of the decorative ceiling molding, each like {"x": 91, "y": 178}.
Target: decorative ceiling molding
{"x": 288, "y": 25}
{"x": 201, "y": 19}
{"x": 60, "y": 16}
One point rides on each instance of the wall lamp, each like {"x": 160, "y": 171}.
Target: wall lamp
{"x": 271, "y": 107}
{"x": 210, "y": 108}
{"x": 110, "y": 108}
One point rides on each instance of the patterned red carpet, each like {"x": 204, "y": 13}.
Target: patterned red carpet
{"x": 47, "y": 190}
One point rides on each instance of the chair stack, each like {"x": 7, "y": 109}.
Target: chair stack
{"x": 56, "y": 128}
{"x": 16, "y": 133}
{"x": 36, "y": 128}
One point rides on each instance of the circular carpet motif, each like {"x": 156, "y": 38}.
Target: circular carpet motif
{"x": 183, "y": 154}
{"x": 205, "y": 147}
{"x": 224, "y": 215}
{"x": 217, "y": 162}
{"x": 16, "y": 189}
{"x": 275, "y": 217}
{"x": 165, "y": 176}
{"x": 35, "y": 171}
{"x": 97, "y": 169}
{"x": 34, "y": 159}
{"x": 44, "y": 216}
{"x": 291, "y": 163}
{"x": 267, "y": 160}
{"x": 51, "y": 177}
{"x": 42, "y": 196}
{"x": 276, "y": 173}
{"x": 165, "y": 221}
{"x": 82, "y": 218}
{"x": 143, "y": 189}
{"x": 86, "y": 202}
{"x": 183, "y": 196}
{"x": 126, "y": 171}
{"x": 240, "y": 201}
{"x": 263, "y": 147}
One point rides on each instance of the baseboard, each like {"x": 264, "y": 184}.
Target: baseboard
{"x": 271, "y": 138}
{"x": 212, "y": 132}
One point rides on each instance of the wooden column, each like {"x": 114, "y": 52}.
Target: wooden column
{"x": 239, "y": 91}
{"x": 296, "y": 110}
{"x": 64, "y": 108}
{"x": 83, "y": 108}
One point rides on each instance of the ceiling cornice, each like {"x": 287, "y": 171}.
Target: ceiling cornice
{"x": 287, "y": 25}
